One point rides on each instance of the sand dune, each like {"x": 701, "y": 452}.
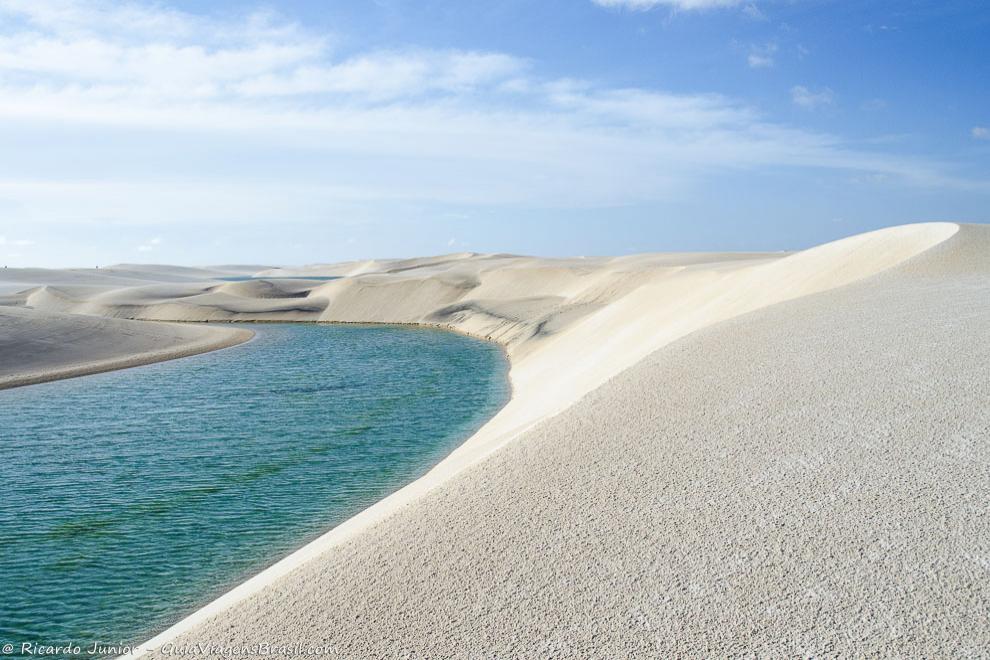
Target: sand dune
{"x": 119, "y": 275}
{"x": 809, "y": 479}
{"x": 40, "y": 346}
{"x": 695, "y": 443}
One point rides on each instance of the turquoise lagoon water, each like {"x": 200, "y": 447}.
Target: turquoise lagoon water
{"x": 131, "y": 498}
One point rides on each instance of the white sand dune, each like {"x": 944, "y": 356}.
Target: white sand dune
{"x": 120, "y": 274}
{"x": 704, "y": 454}
{"x": 40, "y": 346}
{"x": 810, "y": 479}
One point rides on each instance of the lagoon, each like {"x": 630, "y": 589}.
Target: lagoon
{"x": 132, "y": 498}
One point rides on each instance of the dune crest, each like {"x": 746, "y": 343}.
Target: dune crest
{"x": 752, "y": 488}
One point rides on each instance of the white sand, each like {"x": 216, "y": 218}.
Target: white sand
{"x": 704, "y": 454}
{"x": 40, "y": 346}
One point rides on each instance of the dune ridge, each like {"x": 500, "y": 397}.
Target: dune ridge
{"x": 806, "y": 479}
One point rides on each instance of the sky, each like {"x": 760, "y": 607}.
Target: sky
{"x": 314, "y": 131}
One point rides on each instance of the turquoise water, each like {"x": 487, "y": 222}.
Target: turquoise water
{"x": 132, "y": 498}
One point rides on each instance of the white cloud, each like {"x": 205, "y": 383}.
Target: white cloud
{"x": 381, "y": 76}
{"x": 761, "y": 57}
{"x": 22, "y": 242}
{"x": 290, "y": 129}
{"x": 89, "y": 47}
{"x": 150, "y": 245}
{"x": 807, "y": 98}
{"x": 757, "y": 61}
{"x": 674, "y": 4}
{"x": 980, "y": 133}
{"x": 142, "y": 21}
{"x": 754, "y": 12}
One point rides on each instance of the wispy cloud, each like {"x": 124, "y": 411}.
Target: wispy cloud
{"x": 980, "y": 133}
{"x": 754, "y": 12}
{"x": 438, "y": 126}
{"x": 150, "y": 245}
{"x": 674, "y": 4}
{"x": 811, "y": 99}
{"x": 761, "y": 57}
{"x": 17, "y": 242}
{"x": 388, "y": 75}
{"x": 874, "y": 104}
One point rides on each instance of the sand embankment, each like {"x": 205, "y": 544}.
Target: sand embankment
{"x": 587, "y": 517}
{"x": 808, "y": 479}
{"x": 40, "y": 346}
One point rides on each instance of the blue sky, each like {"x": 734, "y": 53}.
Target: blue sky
{"x": 300, "y": 132}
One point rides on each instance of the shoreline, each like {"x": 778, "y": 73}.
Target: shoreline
{"x": 345, "y": 530}
{"x": 521, "y": 413}
{"x": 237, "y": 337}
{"x": 242, "y": 336}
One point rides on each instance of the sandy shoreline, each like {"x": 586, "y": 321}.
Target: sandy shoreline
{"x": 576, "y": 341}
{"x": 73, "y": 340}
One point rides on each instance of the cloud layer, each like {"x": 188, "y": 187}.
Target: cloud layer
{"x": 686, "y": 5}
{"x": 163, "y": 115}
{"x": 807, "y": 98}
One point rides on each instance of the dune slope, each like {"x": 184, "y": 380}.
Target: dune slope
{"x": 40, "y": 346}
{"x": 809, "y": 477}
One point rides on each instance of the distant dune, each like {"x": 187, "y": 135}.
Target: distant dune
{"x": 704, "y": 454}
{"x": 37, "y": 346}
